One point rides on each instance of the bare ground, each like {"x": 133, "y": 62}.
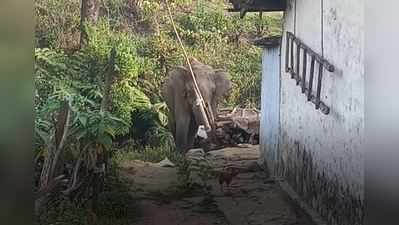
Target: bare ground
{"x": 252, "y": 199}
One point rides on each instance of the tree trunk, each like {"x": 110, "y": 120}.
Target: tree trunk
{"x": 51, "y": 177}
{"x": 109, "y": 79}
{"x": 89, "y": 13}
{"x": 259, "y": 28}
{"x": 51, "y": 163}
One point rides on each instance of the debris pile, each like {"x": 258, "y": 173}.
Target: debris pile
{"x": 233, "y": 127}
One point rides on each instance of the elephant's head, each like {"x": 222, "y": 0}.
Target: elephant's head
{"x": 214, "y": 85}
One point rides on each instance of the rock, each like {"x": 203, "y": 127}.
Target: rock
{"x": 234, "y": 154}
{"x": 195, "y": 152}
{"x": 201, "y": 163}
{"x": 244, "y": 158}
{"x": 149, "y": 177}
{"x": 166, "y": 163}
{"x": 198, "y": 166}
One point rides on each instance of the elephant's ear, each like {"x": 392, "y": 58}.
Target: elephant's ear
{"x": 222, "y": 83}
{"x": 180, "y": 73}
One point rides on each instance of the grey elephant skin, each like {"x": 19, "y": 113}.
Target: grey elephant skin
{"x": 178, "y": 91}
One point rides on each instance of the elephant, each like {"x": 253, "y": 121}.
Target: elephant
{"x": 184, "y": 116}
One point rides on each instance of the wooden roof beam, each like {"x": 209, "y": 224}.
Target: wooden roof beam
{"x": 244, "y": 6}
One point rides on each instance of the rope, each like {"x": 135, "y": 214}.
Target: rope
{"x": 322, "y": 28}
{"x": 295, "y": 18}
{"x": 199, "y": 101}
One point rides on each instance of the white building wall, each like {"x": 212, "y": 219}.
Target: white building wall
{"x": 321, "y": 155}
{"x": 270, "y": 106}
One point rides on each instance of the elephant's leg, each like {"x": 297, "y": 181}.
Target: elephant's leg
{"x": 192, "y": 132}
{"x": 169, "y": 96}
{"x": 172, "y": 125}
{"x": 182, "y": 126}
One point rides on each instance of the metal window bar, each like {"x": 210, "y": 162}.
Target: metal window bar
{"x": 293, "y": 68}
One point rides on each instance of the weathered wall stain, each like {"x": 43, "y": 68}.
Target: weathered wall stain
{"x": 321, "y": 156}
{"x": 337, "y": 204}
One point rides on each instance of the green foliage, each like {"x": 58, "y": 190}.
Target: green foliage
{"x": 148, "y": 154}
{"x": 102, "y": 38}
{"x": 244, "y": 65}
{"x": 97, "y": 126}
{"x": 64, "y": 212}
{"x": 57, "y": 23}
{"x": 126, "y": 98}
{"x": 59, "y": 77}
{"x": 115, "y": 205}
{"x": 149, "y": 128}
{"x": 185, "y": 183}
{"x": 222, "y": 41}
{"x": 204, "y": 25}
{"x": 79, "y": 79}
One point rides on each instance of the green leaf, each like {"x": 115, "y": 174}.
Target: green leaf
{"x": 111, "y": 132}
{"x": 105, "y": 140}
{"x": 83, "y": 120}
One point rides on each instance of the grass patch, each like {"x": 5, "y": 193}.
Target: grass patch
{"x": 116, "y": 205}
{"x": 147, "y": 154}
{"x": 154, "y": 155}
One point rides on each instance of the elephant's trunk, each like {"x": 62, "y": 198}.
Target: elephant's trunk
{"x": 203, "y": 119}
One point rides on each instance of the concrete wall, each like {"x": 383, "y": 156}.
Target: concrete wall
{"x": 320, "y": 155}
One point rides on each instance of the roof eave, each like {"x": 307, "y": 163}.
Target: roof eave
{"x": 257, "y": 6}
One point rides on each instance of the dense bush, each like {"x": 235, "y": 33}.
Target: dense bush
{"x": 57, "y": 23}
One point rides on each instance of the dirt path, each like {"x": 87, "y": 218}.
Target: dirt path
{"x": 250, "y": 200}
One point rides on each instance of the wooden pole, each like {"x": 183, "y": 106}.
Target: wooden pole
{"x": 199, "y": 100}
